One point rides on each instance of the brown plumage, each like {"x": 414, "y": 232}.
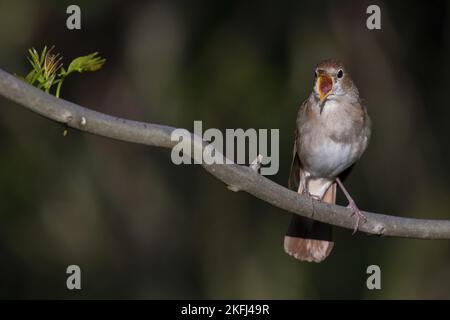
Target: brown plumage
{"x": 332, "y": 132}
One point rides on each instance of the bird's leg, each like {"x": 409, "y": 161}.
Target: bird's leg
{"x": 352, "y": 205}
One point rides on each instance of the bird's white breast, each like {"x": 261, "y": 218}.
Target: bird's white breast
{"x": 328, "y": 158}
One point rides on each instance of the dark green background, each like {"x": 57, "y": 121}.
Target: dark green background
{"x": 141, "y": 227}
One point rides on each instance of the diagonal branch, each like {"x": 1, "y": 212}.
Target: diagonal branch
{"x": 237, "y": 177}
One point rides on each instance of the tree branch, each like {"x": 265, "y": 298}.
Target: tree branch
{"x": 236, "y": 177}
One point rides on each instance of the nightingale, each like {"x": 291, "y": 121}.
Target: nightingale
{"x": 332, "y": 132}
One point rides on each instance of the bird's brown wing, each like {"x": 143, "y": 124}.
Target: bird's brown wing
{"x": 294, "y": 175}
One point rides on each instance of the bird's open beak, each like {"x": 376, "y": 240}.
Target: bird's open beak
{"x": 324, "y": 86}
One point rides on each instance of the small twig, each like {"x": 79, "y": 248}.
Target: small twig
{"x": 256, "y": 164}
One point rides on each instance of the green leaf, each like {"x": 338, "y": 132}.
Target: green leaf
{"x": 48, "y": 71}
{"x": 89, "y": 62}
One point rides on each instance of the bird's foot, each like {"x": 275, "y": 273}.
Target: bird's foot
{"x": 310, "y": 195}
{"x": 356, "y": 212}
{"x": 352, "y": 205}
{"x": 313, "y": 196}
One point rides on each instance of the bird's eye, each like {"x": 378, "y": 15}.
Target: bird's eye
{"x": 340, "y": 74}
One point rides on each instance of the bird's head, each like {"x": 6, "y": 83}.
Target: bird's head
{"x": 331, "y": 81}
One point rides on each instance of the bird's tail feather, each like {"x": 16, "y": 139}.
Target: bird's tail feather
{"x": 307, "y": 239}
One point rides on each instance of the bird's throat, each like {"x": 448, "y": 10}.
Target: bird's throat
{"x": 321, "y": 106}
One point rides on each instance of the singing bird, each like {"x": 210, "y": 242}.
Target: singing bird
{"x": 332, "y": 132}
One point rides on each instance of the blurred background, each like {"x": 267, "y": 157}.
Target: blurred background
{"x": 142, "y": 227}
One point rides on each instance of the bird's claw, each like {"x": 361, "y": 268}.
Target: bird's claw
{"x": 312, "y": 196}
{"x": 358, "y": 213}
